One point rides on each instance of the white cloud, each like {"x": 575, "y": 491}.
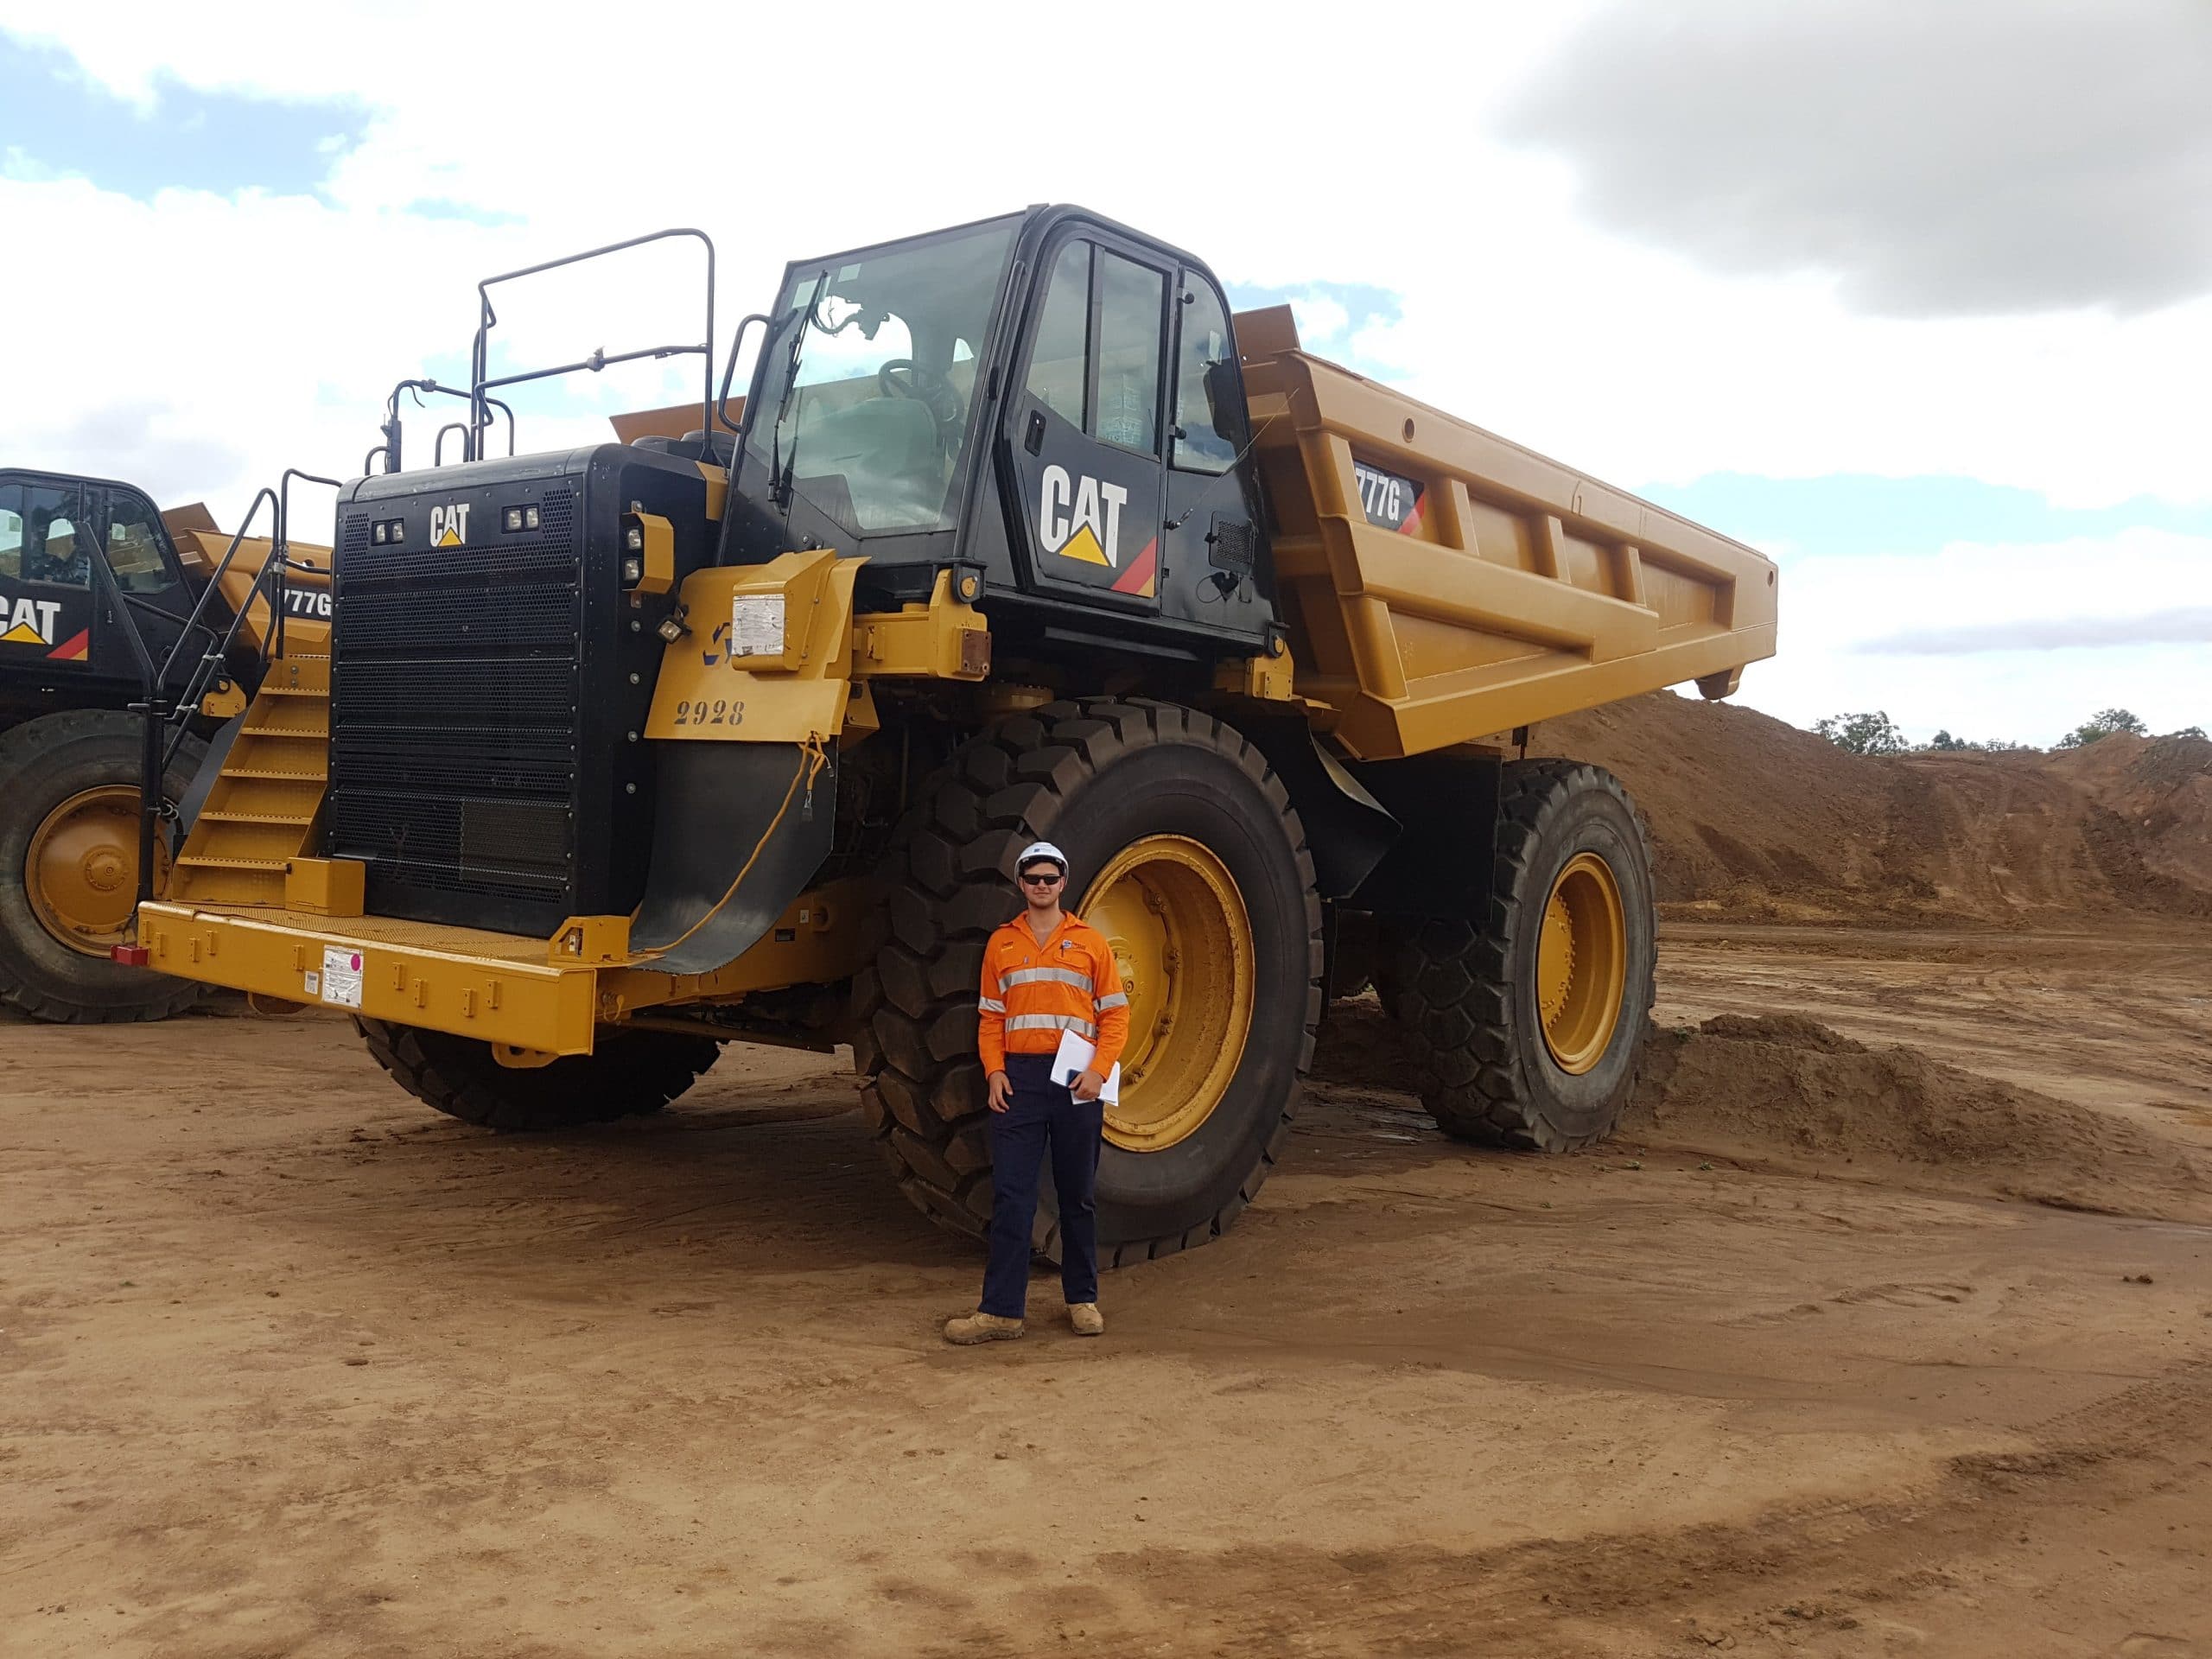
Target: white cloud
{"x": 1320, "y": 318}
{"x": 1837, "y": 612}
{"x": 203, "y": 342}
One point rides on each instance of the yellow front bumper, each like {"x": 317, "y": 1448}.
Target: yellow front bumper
{"x": 498, "y": 987}
{"x": 462, "y": 980}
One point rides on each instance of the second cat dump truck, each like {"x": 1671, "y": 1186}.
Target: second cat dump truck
{"x": 638, "y": 749}
{"x": 101, "y": 596}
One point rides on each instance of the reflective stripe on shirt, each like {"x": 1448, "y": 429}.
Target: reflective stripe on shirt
{"x": 1051, "y": 1022}
{"x": 1045, "y": 976}
{"x": 1117, "y": 1000}
{"x": 990, "y": 1005}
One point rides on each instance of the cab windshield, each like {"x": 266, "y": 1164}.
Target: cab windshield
{"x": 871, "y": 377}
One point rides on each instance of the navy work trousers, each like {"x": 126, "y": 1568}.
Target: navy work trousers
{"x": 1043, "y": 1113}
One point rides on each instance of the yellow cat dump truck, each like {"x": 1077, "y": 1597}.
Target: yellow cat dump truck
{"x": 111, "y": 612}
{"x": 641, "y": 748}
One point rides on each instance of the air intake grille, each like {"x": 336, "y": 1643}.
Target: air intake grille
{"x": 456, "y": 716}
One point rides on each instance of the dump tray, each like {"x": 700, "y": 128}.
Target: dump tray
{"x": 1442, "y": 585}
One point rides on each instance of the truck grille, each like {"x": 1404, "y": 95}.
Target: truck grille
{"x": 457, "y": 716}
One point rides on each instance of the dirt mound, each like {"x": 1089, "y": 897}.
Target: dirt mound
{"x": 1750, "y": 816}
{"x": 2161, "y": 787}
{"x": 1786, "y": 1090}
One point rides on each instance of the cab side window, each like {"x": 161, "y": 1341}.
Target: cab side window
{"x": 1132, "y": 317}
{"x": 1059, "y": 361}
{"x": 11, "y": 531}
{"x": 1096, "y": 362}
{"x": 52, "y": 551}
{"x": 1206, "y": 424}
{"x": 134, "y": 545}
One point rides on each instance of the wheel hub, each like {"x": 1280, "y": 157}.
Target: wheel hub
{"x": 81, "y": 871}
{"x": 1581, "y": 963}
{"x": 1182, "y": 940}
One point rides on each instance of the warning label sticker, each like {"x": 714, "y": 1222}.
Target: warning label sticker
{"x": 341, "y": 977}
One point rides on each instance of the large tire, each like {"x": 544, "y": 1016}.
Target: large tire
{"x": 68, "y": 797}
{"x": 1100, "y": 778}
{"x": 1469, "y": 994}
{"x": 626, "y": 1075}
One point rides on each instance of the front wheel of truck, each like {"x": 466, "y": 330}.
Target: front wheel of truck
{"x": 1526, "y": 1022}
{"x": 69, "y": 810}
{"x": 1188, "y": 856}
{"x": 626, "y": 1075}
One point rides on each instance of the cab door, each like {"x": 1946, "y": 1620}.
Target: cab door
{"x": 1083, "y": 438}
{"x": 148, "y": 574}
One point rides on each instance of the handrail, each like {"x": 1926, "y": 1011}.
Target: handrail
{"x": 438, "y": 446}
{"x": 390, "y": 448}
{"x": 729, "y": 369}
{"x": 280, "y": 554}
{"x": 152, "y": 706}
{"x": 480, "y": 353}
{"x": 215, "y": 581}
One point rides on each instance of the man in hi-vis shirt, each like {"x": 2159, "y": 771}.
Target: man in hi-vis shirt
{"x": 1045, "y": 973}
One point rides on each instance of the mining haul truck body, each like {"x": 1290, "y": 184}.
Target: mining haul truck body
{"x": 639, "y": 748}
{"x": 101, "y": 597}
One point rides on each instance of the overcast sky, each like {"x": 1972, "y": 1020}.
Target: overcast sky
{"x": 1916, "y": 297}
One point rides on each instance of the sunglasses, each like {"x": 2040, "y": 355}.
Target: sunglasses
{"x": 1043, "y": 878}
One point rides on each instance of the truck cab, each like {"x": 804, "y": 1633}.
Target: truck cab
{"x": 60, "y": 636}
{"x": 1049, "y": 397}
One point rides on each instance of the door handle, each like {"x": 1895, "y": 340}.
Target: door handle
{"x": 1033, "y": 439}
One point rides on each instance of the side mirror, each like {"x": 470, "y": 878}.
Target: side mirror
{"x": 1225, "y": 403}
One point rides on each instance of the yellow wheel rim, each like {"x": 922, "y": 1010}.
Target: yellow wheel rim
{"x": 81, "y": 871}
{"x": 1177, "y": 925}
{"x": 1581, "y": 963}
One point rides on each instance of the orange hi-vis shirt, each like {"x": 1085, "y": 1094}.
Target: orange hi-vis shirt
{"x": 1033, "y": 992}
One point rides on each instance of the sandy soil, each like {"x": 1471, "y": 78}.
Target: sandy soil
{"x": 290, "y": 1366}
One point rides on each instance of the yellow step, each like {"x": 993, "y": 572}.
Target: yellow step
{"x": 294, "y": 821}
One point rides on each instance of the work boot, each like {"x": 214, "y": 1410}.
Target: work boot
{"x": 982, "y": 1327}
{"x": 1086, "y": 1319}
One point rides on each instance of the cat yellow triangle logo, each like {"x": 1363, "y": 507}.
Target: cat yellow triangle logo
{"x": 1084, "y": 545}
{"x": 450, "y": 524}
{"x": 23, "y": 634}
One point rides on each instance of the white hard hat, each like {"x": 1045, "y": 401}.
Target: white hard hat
{"x": 1037, "y": 850}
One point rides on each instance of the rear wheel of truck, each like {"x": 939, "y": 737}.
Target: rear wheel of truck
{"x": 1527, "y": 1024}
{"x": 69, "y": 868}
{"x": 626, "y": 1075}
{"x": 1188, "y": 855}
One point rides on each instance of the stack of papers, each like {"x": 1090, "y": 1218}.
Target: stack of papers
{"x": 1073, "y": 1060}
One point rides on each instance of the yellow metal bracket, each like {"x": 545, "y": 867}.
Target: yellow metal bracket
{"x": 1264, "y": 676}
{"x": 223, "y": 699}
{"x": 717, "y": 685}
{"x": 593, "y": 941}
{"x": 659, "y": 537}
{"x": 945, "y": 639}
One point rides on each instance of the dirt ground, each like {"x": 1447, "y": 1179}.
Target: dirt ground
{"x": 1835, "y": 1351}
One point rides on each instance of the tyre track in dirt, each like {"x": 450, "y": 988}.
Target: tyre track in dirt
{"x": 287, "y": 1366}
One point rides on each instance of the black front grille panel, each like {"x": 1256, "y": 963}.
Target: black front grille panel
{"x": 466, "y": 619}
{"x": 457, "y": 715}
{"x": 458, "y": 760}
{"x": 493, "y": 692}
{"x": 504, "y": 848}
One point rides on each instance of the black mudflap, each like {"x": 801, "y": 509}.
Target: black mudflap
{"x": 738, "y": 831}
